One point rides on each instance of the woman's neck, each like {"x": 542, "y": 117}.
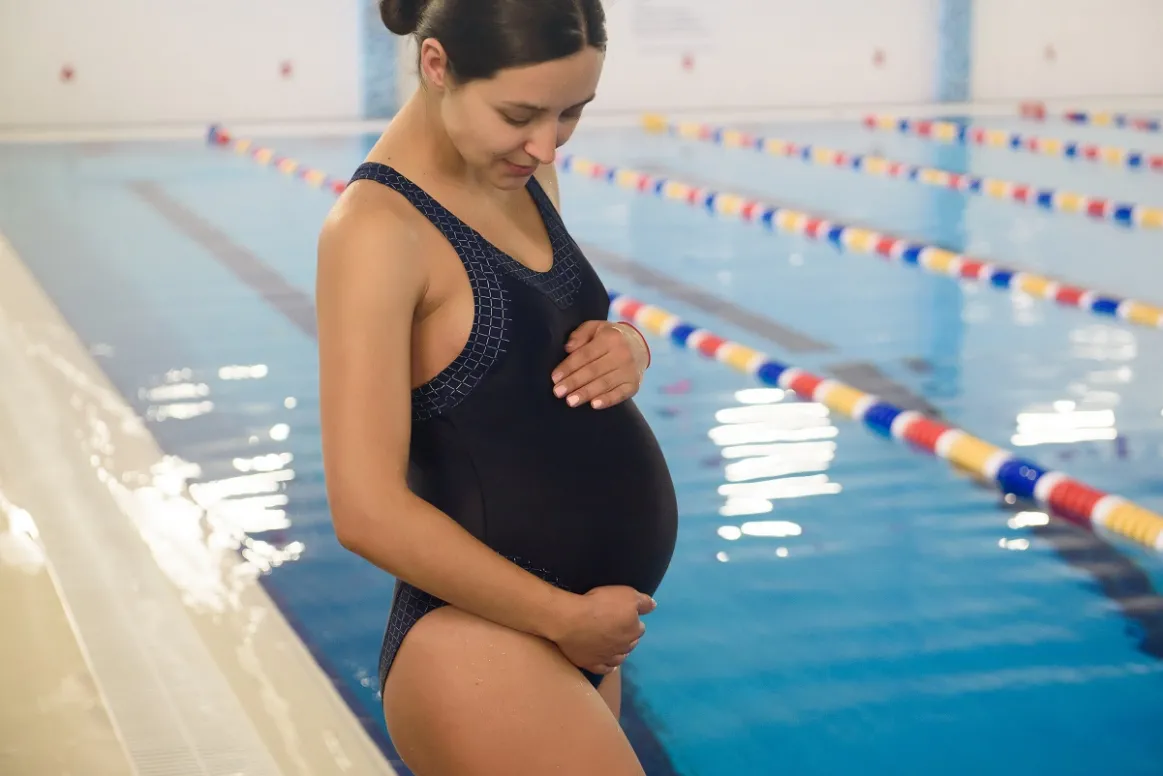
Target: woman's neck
{"x": 417, "y": 139}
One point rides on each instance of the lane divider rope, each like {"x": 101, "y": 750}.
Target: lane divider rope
{"x": 930, "y": 258}
{"x": 1072, "y": 500}
{"x": 1120, "y": 120}
{"x": 1065, "y": 497}
{"x": 846, "y": 238}
{"x": 270, "y": 158}
{"x": 1037, "y": 111}
{"x": 1123, "y": 213}
{"x": 965, "y": 134}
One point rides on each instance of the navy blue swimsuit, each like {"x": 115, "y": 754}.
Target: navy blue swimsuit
{"x": 581, "y": 497}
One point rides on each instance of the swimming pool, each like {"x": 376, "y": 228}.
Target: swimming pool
{"x": 837, "y": 603}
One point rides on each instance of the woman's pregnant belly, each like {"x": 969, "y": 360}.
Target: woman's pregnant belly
{"x": 583, "y": 494}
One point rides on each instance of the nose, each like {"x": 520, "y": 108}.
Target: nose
{"x": 542, "y": 146}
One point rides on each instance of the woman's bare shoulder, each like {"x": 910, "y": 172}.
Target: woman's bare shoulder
{"x": 371, "y": 234}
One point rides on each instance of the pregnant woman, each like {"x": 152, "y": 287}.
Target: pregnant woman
{"x": 480, "y": 439}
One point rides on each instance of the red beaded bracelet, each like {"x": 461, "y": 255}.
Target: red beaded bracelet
{"x": 649, "y": 357}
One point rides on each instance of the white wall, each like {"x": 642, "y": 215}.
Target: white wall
{"x": 1102, "y": 48}
{"x": 756, "y": 54}
{"x": 407, "y": 67}
{"x": 163, "y": 61}
{"x": 175, "y": 61}
{"x": 767, "y": 53}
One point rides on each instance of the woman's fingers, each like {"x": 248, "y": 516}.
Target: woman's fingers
{"x": 606, "y": 374}
{"x": 619, "y": 394}
{"x": 601, "y": 366}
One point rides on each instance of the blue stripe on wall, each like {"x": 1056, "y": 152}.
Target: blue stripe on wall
{"x": 955, "y": 50}
{"x": 379, "y": 64}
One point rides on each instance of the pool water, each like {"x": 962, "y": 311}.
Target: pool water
{"x": 837, "y": 602}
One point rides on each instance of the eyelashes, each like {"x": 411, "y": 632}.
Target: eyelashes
{"x": 572, "y": 115}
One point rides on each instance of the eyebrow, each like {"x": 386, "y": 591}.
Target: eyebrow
{"x": 542, "y": 108}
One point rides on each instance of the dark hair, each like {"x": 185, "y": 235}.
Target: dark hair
{"x": 482, "y": 37}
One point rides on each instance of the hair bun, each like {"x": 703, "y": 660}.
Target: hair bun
{"x": 402, "y": 16}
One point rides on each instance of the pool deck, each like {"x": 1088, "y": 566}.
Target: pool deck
{"x": 135, "y": 646}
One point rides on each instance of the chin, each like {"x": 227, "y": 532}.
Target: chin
{"x": 508, "y": 178}
{"x": 511, "y": 183}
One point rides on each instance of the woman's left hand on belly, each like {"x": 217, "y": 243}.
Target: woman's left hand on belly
{"x": 604, "y": 367}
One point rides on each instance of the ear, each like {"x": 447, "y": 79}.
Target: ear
{"x": 434, "y": 63}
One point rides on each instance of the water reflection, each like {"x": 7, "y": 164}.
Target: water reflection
{"x": 779, "y": 528}
{"x": 784, "y": 487}
{"x": 178, "y": 411}
{"x": 1063, "y": 424}
{"x": 781, "y": 459}
{"x": 1090, "y": 416}
{"x": 253, "y": 503}
{"x": 177, "y": 398}
{"x": 177, "y": 391}
{"x": 263, "y": 463}
{"x": 1103, "y": 343}
{"x": 236, "y": 372}
{"x": 20, "y": 545}
{"x": 196, "y": 531}
{"x": 200, "y": 531}
{"x": 1027, "y": 519}
{"x": 745, "y": 506}
{"x": 775, "y": 451}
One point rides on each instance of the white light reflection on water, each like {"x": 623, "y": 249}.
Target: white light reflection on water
{"x": 774, "y": 451}
{"x": 1089, "y": 415}
{"x": 197, "y": 530}
{"x": 20, "y": 545}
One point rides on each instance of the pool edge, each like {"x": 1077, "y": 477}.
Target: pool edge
{"x": 290, "y": 717}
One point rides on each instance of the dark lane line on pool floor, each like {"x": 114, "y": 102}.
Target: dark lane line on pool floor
{"x": 863, "y": 375}
{"x": 295, "y": 305}
{"x": 786, "y": 337}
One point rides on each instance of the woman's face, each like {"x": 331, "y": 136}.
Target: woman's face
{"x": 509, "y": 125}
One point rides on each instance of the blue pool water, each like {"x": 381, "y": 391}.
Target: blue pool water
{"x": 837, "y": 603}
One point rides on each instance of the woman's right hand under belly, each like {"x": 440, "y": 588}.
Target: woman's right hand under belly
{"x": 599, "y": 629}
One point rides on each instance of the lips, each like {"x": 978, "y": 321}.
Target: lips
{"x": 518, "y": 169}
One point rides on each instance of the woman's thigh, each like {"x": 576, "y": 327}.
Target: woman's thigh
{"x": 468, "y": 697}
{"x": 611, "y": 691}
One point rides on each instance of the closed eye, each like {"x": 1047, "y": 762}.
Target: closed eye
{"x": 572, "y": 113}
{"x": 516, "y": 122}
